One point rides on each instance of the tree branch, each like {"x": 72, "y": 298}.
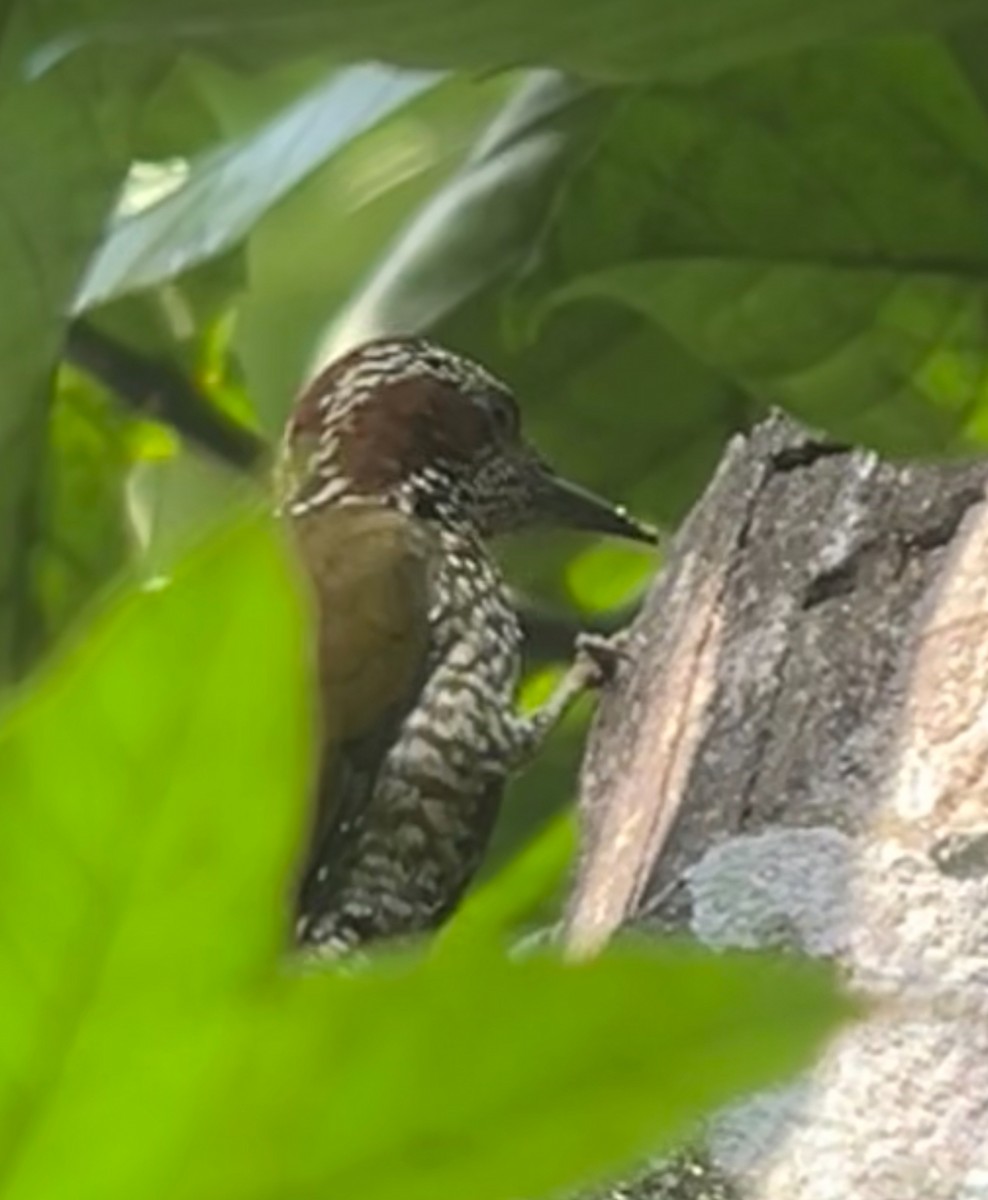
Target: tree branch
{"x": 160, "y": 391}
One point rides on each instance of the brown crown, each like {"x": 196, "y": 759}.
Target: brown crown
{"x": 397, "y": 406}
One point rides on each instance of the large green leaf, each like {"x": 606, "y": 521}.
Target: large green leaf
{"x": 812, "y": 231}
{"x": 892, "y": 358}
{"x": 151, "y": 796}
{"x": 229, "y": 188}
{"x": 475, "y": 1075}
{"x": 612, "y": 39}
{"x": 151, "y": 791}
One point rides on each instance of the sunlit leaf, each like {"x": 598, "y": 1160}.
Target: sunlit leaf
{"x": 606, "y": 576}
{"x": 228, "y": 189}
{"x": 151, "y": 800}
{"x": 476, "y": 1075}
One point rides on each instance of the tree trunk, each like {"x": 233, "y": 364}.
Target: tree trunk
{"x": 796, "y": 755}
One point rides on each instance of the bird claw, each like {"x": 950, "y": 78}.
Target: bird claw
{"x": 601, "y": 656}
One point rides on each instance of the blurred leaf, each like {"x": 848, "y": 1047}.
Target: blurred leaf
{"x": 176, "y": 122}
{"x": 478, "y": 1076}
{"x": 307, "y": 254}
{"x": 63, "y": 154}
{"x": 242, "y": 101}
{"x": 611, "y": 39}
{"x": 482, "y": 226}
{"x": 170, "y": 499}
{"x": 538, "y": 686}
{"x": 539, "y": 794}
{"x": 605, "y": 577}
{"x": 229, "y": 188}
{"x": 178, "y": 318}
{"x": 151, "y": 800}
{"x": 81, "y": 537}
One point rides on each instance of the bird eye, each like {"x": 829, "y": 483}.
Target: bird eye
{"x": 504, "y": 414}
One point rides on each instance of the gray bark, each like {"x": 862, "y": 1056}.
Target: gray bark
{"x": 796, "y": 755}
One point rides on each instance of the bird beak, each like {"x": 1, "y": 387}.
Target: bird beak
{"x": 566, "y": 504}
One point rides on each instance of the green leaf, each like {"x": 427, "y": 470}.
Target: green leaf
{"x": 888, "y": 358}
{"x": 229, "y": 188}
{"x": 610, "y": 39}
{"x": 151, "y": 789}
{"x": 811, "y": 231}
{"x": 474, "y": 1075}
{"x": 606, "y": 576}
{"x": 62, "y": 157}
{"x": 171, "y": 499}
{"x": 81, "y": 537}
{"x": 480, "y": 228}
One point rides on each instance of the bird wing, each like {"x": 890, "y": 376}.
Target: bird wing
{"x": 371, "y": 569}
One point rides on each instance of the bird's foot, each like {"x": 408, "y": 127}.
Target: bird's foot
{"x": 594, "y": 666}
{"x": 599, "y": 656}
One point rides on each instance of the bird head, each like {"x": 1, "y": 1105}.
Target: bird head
{"x": 434, "y": 433}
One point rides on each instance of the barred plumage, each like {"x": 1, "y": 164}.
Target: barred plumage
{"x": 398, "y": 463}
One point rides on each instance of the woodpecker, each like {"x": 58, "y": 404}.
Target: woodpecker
{"x": 398, "y": 464}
